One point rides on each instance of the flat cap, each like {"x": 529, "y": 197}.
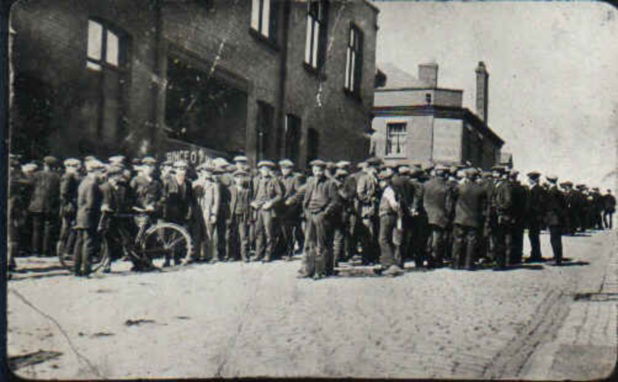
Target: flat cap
{"x": 220, "y": 162}
{"x": 471, "y": 172}
{"x": 149, "y": 161}
{"x": 238, "y": 173}
{"x": 29, "y": 167}
{"x": 181, "y": 164}
{"x": 72, "y": 162}
{"x": 94, "y": 164}
{"x": 440, "y": 167}
{"x": 568, "y": 183}
{"x": 391, "y": 165}
{"x": 362, "y": 165}
{"x": 533, "y": 174}
{"x": 341, "y": 172}
{"x": 404, "y": 169}
{"x": 384, "y": 175}
{"x": 204, "y": 166}
{"x": 241, "y": 159}
{"x": 343, "y": 164}
{"x": 116, "y": 159}
{"x": 286, "y": 163}
{"x": 498, "y": 168}
{"x": 265, "y": 163}
{"x": 551, "y": 178}
{"x": 317, "y": 162}
{"x": 50, "y": 160}
{"x": 373, "y": 161}
{"x": 167, "y": 162}
{"x": 115, "y": 170}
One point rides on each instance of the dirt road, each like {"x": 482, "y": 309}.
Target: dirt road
{"x": 234, "y": 319}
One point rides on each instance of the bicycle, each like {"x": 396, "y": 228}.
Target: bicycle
{"x": 153, "y": 247}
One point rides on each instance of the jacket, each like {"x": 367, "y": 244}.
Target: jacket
{"x": 471, "y": 205}
{"x": 45, "y": 196}
{"x": 435, "y": 193}
{"x": 89, "y": 200}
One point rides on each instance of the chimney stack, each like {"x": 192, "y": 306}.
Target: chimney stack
{"x": 428, "y": 74}
{"x": 482, "y": 90}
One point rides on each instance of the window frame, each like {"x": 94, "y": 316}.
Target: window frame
{"x": 315, "y": 44}
{"x": 265, "y": 33}
{"x": 123, "y": 47}
{"x": 401, "y": 139}
{"x": 354, "y": 61}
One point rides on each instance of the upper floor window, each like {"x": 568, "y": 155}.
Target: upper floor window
{"x": 315, "y": 42}
{"x": 395, "y": 138}
{"x": 354, "y": 63}
{"x": 264, "y": 18}
{"x": 106, "y": 46}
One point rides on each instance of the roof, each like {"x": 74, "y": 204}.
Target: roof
{"x": 398, "y": 78}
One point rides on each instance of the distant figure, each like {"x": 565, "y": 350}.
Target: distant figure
{"x": 609, "y": 207}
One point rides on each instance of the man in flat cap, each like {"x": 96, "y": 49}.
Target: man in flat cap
{"x": 178, "y": 201}
{"x": 571, "y": 200}
{"x": 44, "y": 206}
{"x": 502, "y": 226}
{"x": 207, "y": 192}
{"x": 436, "y": 203}
{"x": 555, "y": 208}
{"x": 68, "y": 199}
{"x": 320, "y": 203}
{"x": 89, "y": 202}
{"x": 146, "y": 189}
{"x": 368, "y": 194}
{"x": 519, "y": 217}
{"x": 116, "y": 199}
{"x": 535, "y": 215}
{"x": 470, "y": 207}
{"x": 609, "y": 207}
{"x": 16, "y": 209}
{"x": 290, "y": 213}
{"x": 341, "y": 218}
{"x": 390, "y": 214}
{"x": 240, "y": 214}
{"x": 268, "y": 191}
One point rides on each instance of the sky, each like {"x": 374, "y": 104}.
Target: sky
{"x": 553, "y": 85}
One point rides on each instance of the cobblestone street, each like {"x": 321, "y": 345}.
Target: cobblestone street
{"x": 232, "y": 319}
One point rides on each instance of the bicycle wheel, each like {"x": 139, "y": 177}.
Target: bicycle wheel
{"x": 167, "y": 244}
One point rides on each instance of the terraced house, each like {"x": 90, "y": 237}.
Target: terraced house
{"x": 193, "y": 78}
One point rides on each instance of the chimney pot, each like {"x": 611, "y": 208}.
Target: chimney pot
{"x": 428, "y": 74}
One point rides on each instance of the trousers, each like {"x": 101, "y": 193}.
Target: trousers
{"x": 465, "y": 239}
{"x": 264, "y": 235}
{"x": 555, "y": 238}
{"x": 317, "y": 238}
{"x": 388, "y": 248}
{"x": 85, "y": 248}
{"x": 43, "y": 232}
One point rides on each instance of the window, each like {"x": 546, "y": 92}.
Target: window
{"x": 104, "y": 98}
{"x": 264, "y": 126}
{"x": 395, "y": 138}
{"x": 292, "y": 137}
{"x": 313, "y": 144}
{"x": 315, "y": 42}
{"x": 106, "y": 47}
{"x": 354, "y": 63}
{"x": 264, "y": 18}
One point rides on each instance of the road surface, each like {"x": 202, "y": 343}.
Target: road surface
{"x": 236, "y": 320}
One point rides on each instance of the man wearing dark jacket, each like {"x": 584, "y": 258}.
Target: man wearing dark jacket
{"x": 320, "y": 203}
{"x": 502, "y": 204}
{"x": 89, "y": 201}
{"x": 554, "y": 216}
{"x": 436, "y": 203}
{"x": 44, "y": 207}
{"x": 535, "y": 213}
{"x": 609, "y": 207}
{"x": 470, "y": 208}
{"x": 519, "y": 217}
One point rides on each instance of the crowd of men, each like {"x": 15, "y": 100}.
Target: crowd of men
{"x": 374, "y": 213}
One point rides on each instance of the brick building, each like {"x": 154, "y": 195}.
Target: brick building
{"x": 417, "y": 121}
{"x": 268, "y": 78}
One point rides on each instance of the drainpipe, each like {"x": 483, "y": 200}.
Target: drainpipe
{"x": 283, "y": 77}
{"x": 159, "y": 85}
